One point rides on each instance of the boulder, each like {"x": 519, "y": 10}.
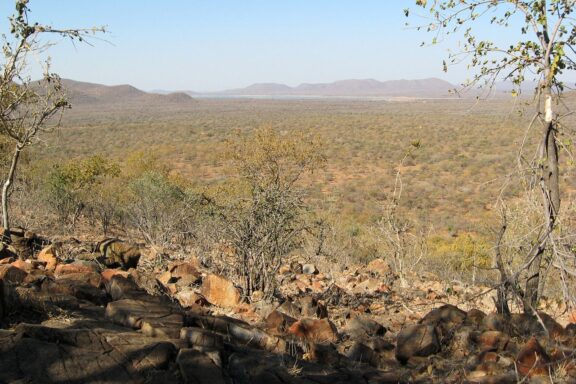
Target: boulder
{"x": 416, "y": 340}
{"x": 49, "y": 256}
{"x": 363, "y": 327}
{"x": 309, "y": 269}
{"x": 11, "y": 274}
{"x": 314, "y": 330}
{"x": 197, "y": 367}
{"x": 379, "y": 267}
{"x": 532, "y": 359}
{"x": 189, "y": 298}
{"x": 220, "y": 291}
{"x": 277, "y": 323}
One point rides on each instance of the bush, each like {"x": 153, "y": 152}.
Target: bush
{"x": 266, "y": 213}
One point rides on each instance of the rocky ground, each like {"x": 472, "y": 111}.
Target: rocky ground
{"x": 68, "y": 317}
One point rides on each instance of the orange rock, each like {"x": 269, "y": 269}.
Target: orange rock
{"x": 11, "y": 274}
{"x": 379, "y": 267}
{"x": 64, "y": 269}
{"x": 220, "y": 291}
{"x": 23, "y": 265}
{"x": 108, "y": 274}
{"x": 185, "y": 273}
{"x": 312, "y": 330}
{"x": 91, "y": 278}
{"x": 188, "y": 298}
{"x": 48, "y": 255}
{"x": 532, "y": 360}
{"x": 492, "y": 340}
{"x": 165, "y": 278}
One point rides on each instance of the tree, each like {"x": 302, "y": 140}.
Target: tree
{"x": 544, "y": 49}
{"x": 28, "y": 108}
{"x": 267, "y": 217}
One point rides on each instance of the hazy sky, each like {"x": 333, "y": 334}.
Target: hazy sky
{"x": 206, "y": 45}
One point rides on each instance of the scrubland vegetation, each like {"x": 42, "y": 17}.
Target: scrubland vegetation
{"x": 182, "y": 177}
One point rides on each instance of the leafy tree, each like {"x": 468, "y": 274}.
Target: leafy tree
{"x": 544, "y": 49}
{"x": 28, "y": 108}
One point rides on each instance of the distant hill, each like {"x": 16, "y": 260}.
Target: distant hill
{"x": 432, "y": 87}
{"x": 81, "y": 93}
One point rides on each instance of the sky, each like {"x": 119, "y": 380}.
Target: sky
{"x": 211, "y": 45}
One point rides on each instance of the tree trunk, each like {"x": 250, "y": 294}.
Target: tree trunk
{"x": 6, "y": 190}
{"x": 549, "y": 183}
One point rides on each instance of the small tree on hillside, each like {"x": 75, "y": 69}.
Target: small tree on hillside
{"x": 27, "y": 108}
{"x": 267, "y": 219}
{"x": 543, "y": 49}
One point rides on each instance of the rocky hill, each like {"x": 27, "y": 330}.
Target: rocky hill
{"x": 86, "y": 312}
{"x": 432, "y": 87}
{"x": 81, "y": 93}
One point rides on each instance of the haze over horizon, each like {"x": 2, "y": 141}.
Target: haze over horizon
{"x": 216, "y": 45}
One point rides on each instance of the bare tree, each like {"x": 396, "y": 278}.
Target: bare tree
{"x": 544, "y": 49}
{"x": 28, "y": 108}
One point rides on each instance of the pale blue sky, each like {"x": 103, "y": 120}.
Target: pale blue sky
{"x": 207, "y": 45}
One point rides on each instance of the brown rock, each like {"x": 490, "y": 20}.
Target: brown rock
{"x": 196, "y": 367}
{"x": 361, "y": 353}
{"x": 76, "y": 267}
{"x": 188, "y": 298}
{"x": 532, "y": 360}
{"x": 447, "y": 315}
{"x": 48, "y": 255}
{"x": 91, "y": 278}
{"x": 379, "y": 267}
{"x": 277, "y": 323}
{"x": 312, "y": 330}
{"x": 492, "y": 341}
{"x": 11, "y": 274}
{"x": 185, "y": 273}
{"x": 109, "y": 273}
{"x": 220, "y": 291}
{"x": 416, "y": 340}
{"x": 362, "y": 327}
{"x": 198, "y": 337}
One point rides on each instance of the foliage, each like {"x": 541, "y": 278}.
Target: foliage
{"x": 463, "y": 253}
{"x": 27, "y": 107}
{"x": 266, "y": 219}
{"x": 72, "y": 184}
{"x": 543, "y": 49}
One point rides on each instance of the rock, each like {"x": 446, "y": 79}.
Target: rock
{"x": 198, "y": 368}
{"x": 48, "y": 255}
{"x": 416, "y": 340}
{"x": 310, "y": 307}
{"x": 317, "y": 331}
{"x": 475, "y": 317}
{"x": 155, "y": 318}
{"x": 277, "y": 323}
{"x": 11, "y": 274}
{"x": 76, "y": 267}
{"x": 91, "y": 278}
{"x": 323, "y": 353}
{"x": 492, "y": 341}
{"x": 363, "y": 327}
{"x": 532, "y": 360}
{"x": 198, "y": 337}
{"x": 39, "y": 354}
{"x": 220, "y": 291}
{"x": 379, "y": 267}
{"x": 188, "y": 298}
{"x": 7, "y": 251}
{"x": 449, "y": 316}
{"x": 185, "y": 274}
{"x": 309, "y": 269}
{"x": 117, "y": 253}
{"x": 496, "y": 322}
{"x": 109, "y": 273}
